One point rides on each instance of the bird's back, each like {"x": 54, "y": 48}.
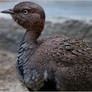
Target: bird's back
{"x": 69, "y": 59}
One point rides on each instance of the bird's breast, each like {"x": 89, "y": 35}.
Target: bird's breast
{"x": 25, "y": 52}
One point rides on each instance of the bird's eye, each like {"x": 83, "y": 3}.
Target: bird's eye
{"x": 25, "y": 12}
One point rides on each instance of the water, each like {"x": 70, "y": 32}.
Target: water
{"x": 71, "y": 9}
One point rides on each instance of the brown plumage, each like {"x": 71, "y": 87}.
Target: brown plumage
{"x": 44, "y": 64}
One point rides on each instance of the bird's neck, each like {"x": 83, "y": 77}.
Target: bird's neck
{"x": 33, "y": 32}
{"x": 31, "y": 37}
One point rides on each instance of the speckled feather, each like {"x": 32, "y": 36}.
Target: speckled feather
{"x": 67, "y": 62}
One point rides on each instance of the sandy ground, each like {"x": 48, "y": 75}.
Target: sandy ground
{"x": 10, "y": 35}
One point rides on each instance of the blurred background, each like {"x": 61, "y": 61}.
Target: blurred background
{"x": 72, "y": 18}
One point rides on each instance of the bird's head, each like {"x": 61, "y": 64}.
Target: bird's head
{"x": 28, "y": 14}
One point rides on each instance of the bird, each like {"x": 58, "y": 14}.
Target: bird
{"x": 52, "y": 63}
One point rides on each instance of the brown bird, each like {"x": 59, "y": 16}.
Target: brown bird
{"x": 54, "y": 63}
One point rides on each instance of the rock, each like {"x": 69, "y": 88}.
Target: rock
{"x": 11, "y": 33}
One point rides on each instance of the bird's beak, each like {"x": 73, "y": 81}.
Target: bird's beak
{"x": 9, "y": 11}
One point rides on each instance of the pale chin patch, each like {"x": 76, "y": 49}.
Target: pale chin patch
{"x": 45, "y": 75}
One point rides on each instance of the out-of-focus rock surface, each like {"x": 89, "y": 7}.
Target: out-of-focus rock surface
{"x": 11, "y": 34}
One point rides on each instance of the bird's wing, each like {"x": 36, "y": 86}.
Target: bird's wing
{"x": 71, "y": 59}
{"x": 56, "y": 53}
{"x": 64, "y": 51}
